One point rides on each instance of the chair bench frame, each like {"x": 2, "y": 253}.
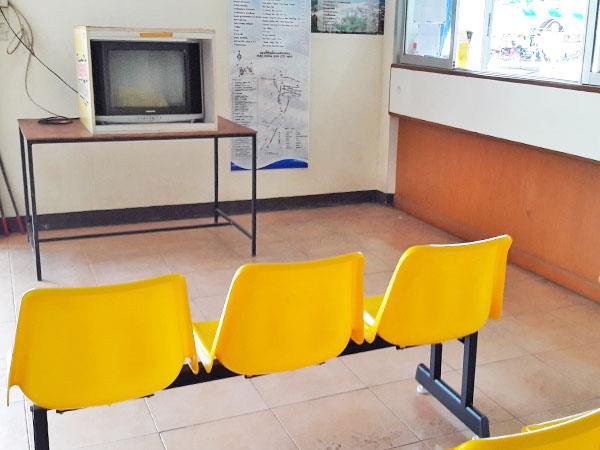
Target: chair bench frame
{"x": 429, "y": 377}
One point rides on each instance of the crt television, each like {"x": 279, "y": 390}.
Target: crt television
{"x": 155, "y": 80}
{"x": 139, "y": 82}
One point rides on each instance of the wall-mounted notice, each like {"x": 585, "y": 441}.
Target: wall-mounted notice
{"x": 348, "y": 16}
{"x": 270, "y": 51}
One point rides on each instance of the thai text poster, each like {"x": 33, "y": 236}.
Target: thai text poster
{"x": 270, "y": 70}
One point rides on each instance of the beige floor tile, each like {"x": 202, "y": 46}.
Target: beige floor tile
{"x": 535, "y": 294}
{"x": 515, "y": 274}
{"x": 423, "y": 414}
{"x": 211, "y": 307}
{"x": 7, "y": 305}
{"x": 205, "y": 402}
{"x": 100, "y": 425}
{"x": 305, "y": 384}
{"x": 387, "y": 365}
{"x": 129, "y": 269}
{"x": 197, "y": 260}
{"x": 525, "y": 385}
{"x": 7, "y": 337}
{"x": 149, "y": 442}
{"x": 209, "y": 283}
{"x": 584, "y": 316}
{"x": 491, "y": 346}
{"x": 581, "y": 364}
{"x": 260, "y": 431}
{"x": 272, "y": 252}
{"x": 354, "y": 420}
{"x": 53, "y": 276}
{"x": 415, "y": 446}
{"x": 561, "y": 411}
{"x": 540, "y": 332}
{"x": 54, "y": 255}
{"x": 376, "y": 283}
{"x": 13, "y": 427}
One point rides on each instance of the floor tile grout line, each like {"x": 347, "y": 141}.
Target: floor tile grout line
{"x": 574, "y": 381}
{"x": 274, "y": 415}
{"x": 91, "y": 446}
{"x": 394, "y": 414}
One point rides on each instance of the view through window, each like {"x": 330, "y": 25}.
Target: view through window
{"x": 526, "y": 38}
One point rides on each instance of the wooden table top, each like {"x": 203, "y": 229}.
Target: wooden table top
{"x": 39, "y": 133}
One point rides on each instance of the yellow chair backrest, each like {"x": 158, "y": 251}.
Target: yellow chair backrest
{"x": 280, "y": 317}
{"x": 443, "y": 292}
{"x": 78, "y": 347}
{"x": 579, "y": 432}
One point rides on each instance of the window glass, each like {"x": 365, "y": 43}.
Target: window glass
{"x": 428, "y": 28}
{"x": 538, "y": 38}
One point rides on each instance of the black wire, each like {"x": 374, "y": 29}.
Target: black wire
{"x": 30, "y": 50}
{"x": 55, "y": 120}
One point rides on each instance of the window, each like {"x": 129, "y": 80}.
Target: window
{"x": 547, "y": 39}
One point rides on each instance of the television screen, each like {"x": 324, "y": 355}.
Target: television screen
{"x": 146, "y": 78}
{"x": 147, "y": 81}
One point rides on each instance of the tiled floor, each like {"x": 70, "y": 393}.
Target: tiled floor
{"x": 540, "y": 361}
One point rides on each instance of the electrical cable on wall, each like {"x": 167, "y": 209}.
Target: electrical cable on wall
{"x": 24, "y": 37}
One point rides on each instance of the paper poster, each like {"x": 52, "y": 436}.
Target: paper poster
{"x": 270, "y": 71}
{"x": 348, "y": 16}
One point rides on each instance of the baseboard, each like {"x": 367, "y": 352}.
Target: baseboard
{"x": 199, "y": 210}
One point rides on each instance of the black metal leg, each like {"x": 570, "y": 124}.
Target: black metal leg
{"x": 435, "y": 361}
{"x": 25, "y": 187}
{"x": 468, "y": 378}
{"x": 253, "y": 204}
{"x": 34, "y": 217}
{"x": 459, "y": 405}
{"x": 216, "y": 151}
{"x": 40, "y": 428}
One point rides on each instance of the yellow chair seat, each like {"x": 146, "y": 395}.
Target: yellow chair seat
{"x": 578, "y": 432}
{"x": 280, "y": 317}
{"x": 80, "y": 347}
{"x": 440, "y": 292}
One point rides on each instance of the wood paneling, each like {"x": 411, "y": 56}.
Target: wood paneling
{"x": 477, "y": 186}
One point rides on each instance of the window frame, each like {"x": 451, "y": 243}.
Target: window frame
{"x": 591, "y": 51}
{"x": 429, "y": 61}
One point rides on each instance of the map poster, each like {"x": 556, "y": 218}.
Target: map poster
{"x": 348, "y": 16}
{"x": 269, "y": 69}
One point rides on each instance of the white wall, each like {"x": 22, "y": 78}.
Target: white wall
{"x": 346, "y": 116}
{"x": 556, "y": 119}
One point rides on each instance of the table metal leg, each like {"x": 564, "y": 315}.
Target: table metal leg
{"x": 253, "y": 203}
{"x": 216, "y": 151}
{"x": 34, "y": 217}
{"x": 25, "y": 188}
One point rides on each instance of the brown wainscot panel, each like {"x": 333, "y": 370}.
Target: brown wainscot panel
{"x": 478, "y": 186}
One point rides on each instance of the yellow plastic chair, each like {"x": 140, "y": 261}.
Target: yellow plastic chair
{"x": 280, "y": 317}
{"x": 80, "y": 347}
{"x": 578, "y": 432}
{"x": 440, "y": 292}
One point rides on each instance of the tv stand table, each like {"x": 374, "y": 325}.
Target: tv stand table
{"x": 31, "y": 133}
